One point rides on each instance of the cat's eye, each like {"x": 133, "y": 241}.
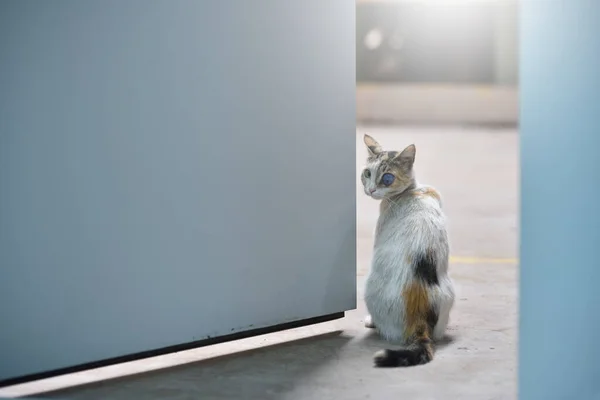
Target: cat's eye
{"x": 388, "y": 179}
{"x": 367, "y": 173}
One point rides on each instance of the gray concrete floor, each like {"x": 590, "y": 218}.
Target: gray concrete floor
{"x": 476, "y": 171}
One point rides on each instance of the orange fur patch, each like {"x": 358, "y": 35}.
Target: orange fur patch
{"x": 431, "y": 192}
{"x": 417, "y": 306}
{"x": 428, "y": 192}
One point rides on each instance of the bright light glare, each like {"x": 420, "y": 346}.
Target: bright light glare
{"x": 435, "y": 1}
{"x": 373, "y": 39}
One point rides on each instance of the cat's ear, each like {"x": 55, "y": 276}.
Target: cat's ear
{"x": 407, "y": 156}
{"x": 372, "y": 146}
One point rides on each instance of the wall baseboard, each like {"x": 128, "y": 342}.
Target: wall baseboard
{"x": 172, "y": 349}
{"x": 437, "y": 104}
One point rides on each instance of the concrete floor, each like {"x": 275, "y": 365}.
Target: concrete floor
{"x": 476, "y": 171}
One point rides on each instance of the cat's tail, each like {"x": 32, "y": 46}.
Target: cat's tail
{"x": 419, "y": 352}
{"x": 421, "y": 319}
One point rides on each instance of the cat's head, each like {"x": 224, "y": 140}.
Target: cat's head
{"x": 387, "y": 173}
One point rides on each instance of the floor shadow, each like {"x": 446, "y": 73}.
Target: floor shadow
{"x": 446, "y": 341}
{"x": 262, "y": 373}
{"x": 371, "y": 339}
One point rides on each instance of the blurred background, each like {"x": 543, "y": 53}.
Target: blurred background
{"x": 433, "y": 61}
{"x": 444, "y": 75}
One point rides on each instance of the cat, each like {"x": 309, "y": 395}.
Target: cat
{"x": 408, "y": 292}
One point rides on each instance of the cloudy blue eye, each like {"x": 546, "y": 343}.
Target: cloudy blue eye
{"x": 387, "y": 179}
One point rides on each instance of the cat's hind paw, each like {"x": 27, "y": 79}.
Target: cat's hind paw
{"x": 369, "y": 322}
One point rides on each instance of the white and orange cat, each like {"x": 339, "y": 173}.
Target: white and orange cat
{"x": 408, "y": 291}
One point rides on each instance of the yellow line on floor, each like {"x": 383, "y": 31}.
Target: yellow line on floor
{"x": 483, "y": 260}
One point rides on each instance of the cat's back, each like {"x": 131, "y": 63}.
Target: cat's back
{"x": 417, "y": 212}
{"x": 425, "y": 198}
{"x": 424, "y": 201}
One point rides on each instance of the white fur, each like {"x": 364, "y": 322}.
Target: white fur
{"x": 408, "y": 226}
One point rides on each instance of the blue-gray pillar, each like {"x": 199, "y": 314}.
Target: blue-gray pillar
{"x": 560, "y": 200}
